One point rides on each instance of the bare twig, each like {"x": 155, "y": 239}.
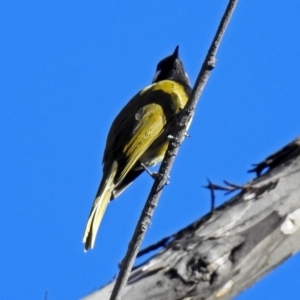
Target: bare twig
{"x": 179, "y": 134}
{"x": 211, "y": 187}
{"x": 228, "y": 188}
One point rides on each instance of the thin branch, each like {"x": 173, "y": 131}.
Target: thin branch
{"x": 179, "y": 135}
{"x": 211, "y": 187}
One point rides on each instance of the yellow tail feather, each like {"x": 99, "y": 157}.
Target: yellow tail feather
{"x": 98, "y": 209}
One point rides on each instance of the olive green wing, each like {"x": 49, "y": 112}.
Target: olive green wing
{"x": 133, "y": 141}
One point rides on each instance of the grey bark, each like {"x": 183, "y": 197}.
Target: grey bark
{"x": 224, "y": 253}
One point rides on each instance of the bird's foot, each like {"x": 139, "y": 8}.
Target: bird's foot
{"x": 154, "y": 175}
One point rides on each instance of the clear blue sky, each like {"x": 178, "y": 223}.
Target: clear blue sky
{"x": 68, "y": 67}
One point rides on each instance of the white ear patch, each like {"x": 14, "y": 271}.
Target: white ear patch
{"x": 156, "y": 75}
{"x": 139, "y": 115}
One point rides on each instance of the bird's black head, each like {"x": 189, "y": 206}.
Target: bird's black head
{"x": 171, "y": 68}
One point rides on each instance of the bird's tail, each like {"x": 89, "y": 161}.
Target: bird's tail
{"x": 99, "y": 206}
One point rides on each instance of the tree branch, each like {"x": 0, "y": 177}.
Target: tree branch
{"x": 220, "y": 255}
{"x": 178, "y": 137}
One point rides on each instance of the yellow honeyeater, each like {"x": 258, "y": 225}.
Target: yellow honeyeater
{"x": 139, "y": 135}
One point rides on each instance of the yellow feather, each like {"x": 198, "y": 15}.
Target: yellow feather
{"x": 150, "y": 126}
{"x": 99, "y": 206}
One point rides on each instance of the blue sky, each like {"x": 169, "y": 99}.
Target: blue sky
{"x": 68, "y": 67}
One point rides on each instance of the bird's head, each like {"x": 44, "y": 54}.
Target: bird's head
{"x": 171, "y": 68}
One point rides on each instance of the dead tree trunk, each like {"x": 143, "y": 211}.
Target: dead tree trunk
{"x": 222, "y": 254}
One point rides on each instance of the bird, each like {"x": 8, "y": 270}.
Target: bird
{"x": 139, "y": 136}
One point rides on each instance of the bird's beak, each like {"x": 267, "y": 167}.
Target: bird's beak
{"x": 175, "y": 53}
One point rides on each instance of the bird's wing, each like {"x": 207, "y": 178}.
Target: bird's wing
{"x": 137, "y": 136}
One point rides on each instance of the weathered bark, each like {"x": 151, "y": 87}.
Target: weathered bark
{"x": 222, "y": 254}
